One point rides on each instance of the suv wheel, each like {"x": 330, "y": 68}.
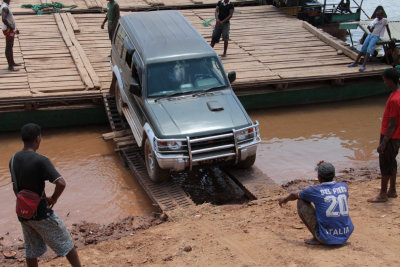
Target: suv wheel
{"x": 247, "y": 163}
{"x": 118, "y": 98}
{"x": 156, "y": 174}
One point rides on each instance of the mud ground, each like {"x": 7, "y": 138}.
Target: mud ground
{"x": 256, "y": 233}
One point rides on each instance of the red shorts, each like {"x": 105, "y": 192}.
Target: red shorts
{"x": 9, "y": 34}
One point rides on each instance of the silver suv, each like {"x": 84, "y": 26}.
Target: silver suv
{"x": 172, "y": 89}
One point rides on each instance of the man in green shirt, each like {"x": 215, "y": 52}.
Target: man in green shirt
{"x": 112, "y": 17}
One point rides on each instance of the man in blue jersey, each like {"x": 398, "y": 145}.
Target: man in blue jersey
{"x": 329, "y": 221}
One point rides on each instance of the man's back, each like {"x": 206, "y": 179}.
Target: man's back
{"x": 332, "y": 211}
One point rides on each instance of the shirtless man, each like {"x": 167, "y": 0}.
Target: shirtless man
{"x": 9, "y": 30}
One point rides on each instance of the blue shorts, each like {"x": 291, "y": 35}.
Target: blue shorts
{"x": 218, "y": 31}
{"x": 50, "y": 231}
{"x": 369, "y": 44}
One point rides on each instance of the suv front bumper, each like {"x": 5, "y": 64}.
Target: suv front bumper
{"x": 229, "y": 149}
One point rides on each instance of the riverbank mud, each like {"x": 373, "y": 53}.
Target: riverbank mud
{"x": 255, "y": 233}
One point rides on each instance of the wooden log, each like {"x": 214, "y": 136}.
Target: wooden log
{"x": 73, "y": 23}
{"x": 86, "y": 62}
{"x": 74, "y": 53}
{"x": 326, "y": 38}
{"x": 112, "y": 135}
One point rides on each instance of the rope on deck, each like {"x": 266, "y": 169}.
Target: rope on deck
{"x": 55, "y": 6}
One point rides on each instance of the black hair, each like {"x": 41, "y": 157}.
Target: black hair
{"x": 392, "y": 74}
{"x": 29, "y": 132}
{"x": 327, "y": 177}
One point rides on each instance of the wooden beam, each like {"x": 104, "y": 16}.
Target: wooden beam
{"x": 328, "y": 39}
{"x": 73, "y": 23}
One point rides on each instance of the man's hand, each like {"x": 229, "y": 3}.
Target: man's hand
{"x": 381, "y": 148}
{"x": 17, "y": 31}
{"x": 102, "y": 25}
{"x": 218, "y": 23}
{"x": 371, "y": 29}
{"x": 282, "y": 201}
{"x": 290, "y": 197}
{"x": 51, "y": 201}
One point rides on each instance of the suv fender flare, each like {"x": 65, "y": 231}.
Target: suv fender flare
{"x": 118, "y": 76}
{"x": 148, "y": 134}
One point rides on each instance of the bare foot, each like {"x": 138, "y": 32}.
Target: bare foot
{"x": 392, "y": 194}
{"x": 312, "y": 241}
{"x": 378, "y": 199}
{"x": 17, "y": 64}
{"x": 223, "y": 55}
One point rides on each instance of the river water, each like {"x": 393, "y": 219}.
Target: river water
{"x": 99, "y": 188}
{"x": 294, "y": 139}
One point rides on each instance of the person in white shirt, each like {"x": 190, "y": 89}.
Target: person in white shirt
{"x": 377, "y": 29}
{"x": 9, "y": 31}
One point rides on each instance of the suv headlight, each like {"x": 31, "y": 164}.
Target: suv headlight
{"x": 245, "y": 135}
{"x": 169, "y": 145}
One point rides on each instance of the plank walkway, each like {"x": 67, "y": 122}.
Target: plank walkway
{"x": 68, "y": 55}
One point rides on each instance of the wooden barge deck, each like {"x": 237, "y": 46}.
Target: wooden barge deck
{"x": 66, "y": 59}
{"x": 91, "y": 6}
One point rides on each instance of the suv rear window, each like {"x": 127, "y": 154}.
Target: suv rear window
{"x": 193, "y": 75}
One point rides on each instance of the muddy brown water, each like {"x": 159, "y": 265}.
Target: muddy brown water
{"x": 99, "y": 189}
{"x": 294, "y": 139}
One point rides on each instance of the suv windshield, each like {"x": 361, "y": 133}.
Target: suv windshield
{"x": 184, "y": 76}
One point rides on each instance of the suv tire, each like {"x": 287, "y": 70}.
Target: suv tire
{"x": 156, "y": 174}
{"x": 247, "y": 163}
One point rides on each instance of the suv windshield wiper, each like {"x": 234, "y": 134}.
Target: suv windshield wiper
{"x": 173, "y": 94}
{"x": 214, "y": 88}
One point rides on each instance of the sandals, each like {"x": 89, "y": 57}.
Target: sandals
{"x": 352, "y": 65}
{"x": 362, "y": 68}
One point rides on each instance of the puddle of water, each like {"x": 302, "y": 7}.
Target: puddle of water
{"x": 99, "y": 188}
{"x": 211, "y": 185}
{"x": 294, "y": 139}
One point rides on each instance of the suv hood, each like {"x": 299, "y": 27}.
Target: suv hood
{"x": 197, "y": 114}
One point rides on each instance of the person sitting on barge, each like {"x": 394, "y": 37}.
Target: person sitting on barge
{"x": 377, "y": 29}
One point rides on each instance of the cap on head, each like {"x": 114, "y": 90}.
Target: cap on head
{"x": 326, "y": 171}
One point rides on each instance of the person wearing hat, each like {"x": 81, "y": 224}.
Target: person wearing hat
{"x": 329, "y": 221}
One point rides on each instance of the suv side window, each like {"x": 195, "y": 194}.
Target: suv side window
{"x": 119, "y": 40}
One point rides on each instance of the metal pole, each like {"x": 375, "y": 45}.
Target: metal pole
{"x": 323, "y": 13}
{"x": 351, "y": 38}
{"x": 361, "y": 8}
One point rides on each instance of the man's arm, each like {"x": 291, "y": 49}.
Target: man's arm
{"x": 104, "y": 22}
{"x": 228, "y": 17}
{"x": 290, "y": 197}
{"x": 371, "y": 26}
{"x": 117, "y": 14}
{"x": 389, "y": 132}
{"x": 216, "y": 15}
{"x": 4, "y": 14}
{"x": 60, "y": 186}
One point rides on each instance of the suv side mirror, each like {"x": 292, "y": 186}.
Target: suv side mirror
{"x": 232, "y": 76}
{"x": 134, "y": 88}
